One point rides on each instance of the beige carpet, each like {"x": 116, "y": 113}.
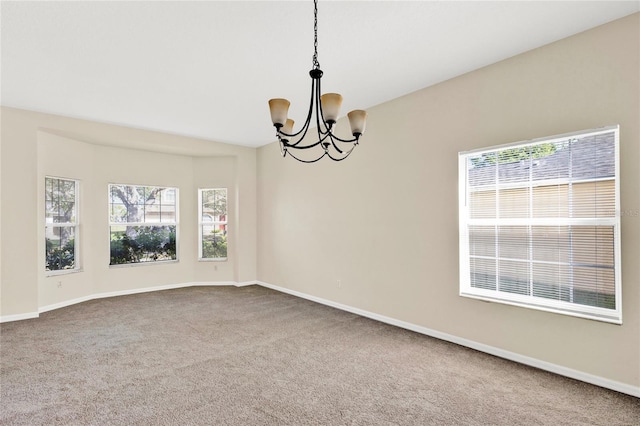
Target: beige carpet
{"x": 253, "y": 356}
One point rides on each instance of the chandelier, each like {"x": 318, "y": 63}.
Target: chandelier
{"x": 327, "y": 108}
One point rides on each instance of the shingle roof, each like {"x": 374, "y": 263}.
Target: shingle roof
{"x": 589, "y": 157}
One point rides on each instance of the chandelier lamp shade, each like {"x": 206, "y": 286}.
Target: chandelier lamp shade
{"x": 326, "y": 109}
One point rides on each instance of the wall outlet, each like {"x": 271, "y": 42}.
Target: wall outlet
{"x": 59, "y": 284}
{"x": 339, "y": 283}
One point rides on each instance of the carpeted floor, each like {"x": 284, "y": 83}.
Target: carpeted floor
{"x": 253, "y": 356}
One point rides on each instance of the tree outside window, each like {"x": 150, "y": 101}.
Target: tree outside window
{"x": 143, "y": 222}
{"x": 213, "y": 224}
{"x": 61, "y": 224}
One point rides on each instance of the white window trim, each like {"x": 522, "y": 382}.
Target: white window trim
{"x": 583, "y": 311}
{"x": 176, "y": 223}
{"x": 201, "y": 223}
{"x": 76, "y": 232}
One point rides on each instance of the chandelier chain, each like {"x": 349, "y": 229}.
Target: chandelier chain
{"x": 316, "y": 64}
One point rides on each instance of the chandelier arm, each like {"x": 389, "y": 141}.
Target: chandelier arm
{"x": 340, "y": 158}
{"x": 283, "y": 148}
{"x": 354, "y": 140}
{"x": 320, "y": 113}
{"x": 288, "y": 145}
{"x": 333, "y": 143}
{"x": 305, "y": 126}
{"x": 310, "y": 161}
{"x": 320, "y": 119}
{"x": 320, "y": 140}
{"x": 295, "y": 144}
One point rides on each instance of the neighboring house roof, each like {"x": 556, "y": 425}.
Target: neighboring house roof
{"x": 590, "y": 157}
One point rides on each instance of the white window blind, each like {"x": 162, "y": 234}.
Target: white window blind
{"x": 539, "y": 224}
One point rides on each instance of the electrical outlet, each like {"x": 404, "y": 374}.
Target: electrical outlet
{"x": 59, "y": 284}
{"x": 339, "y": 283}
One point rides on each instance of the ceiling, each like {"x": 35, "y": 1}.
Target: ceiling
{"x": 207, "y": 68}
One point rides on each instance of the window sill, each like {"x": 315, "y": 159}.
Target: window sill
{"x": 136, "y": 264}
{"x": 608, "y": 317}
{"x": 62, "y": 272}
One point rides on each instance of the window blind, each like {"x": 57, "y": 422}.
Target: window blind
{"x": 539, "y": 224}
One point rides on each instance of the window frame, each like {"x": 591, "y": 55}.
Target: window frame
{"x": 202, "y": 223}
{"x": 75, "y": 225}
{"x": 529, "y": 301}
{"x": 175, "y": 223}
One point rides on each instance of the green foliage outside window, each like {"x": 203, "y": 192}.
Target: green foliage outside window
{"x": 143, "y": 244}
{"x": 214, "y": 245}
{"x": 60, "y": 258}
{"x": 143, "y": 221}
{"x": 61, "y": 230}
{"x": 213, "y": 223}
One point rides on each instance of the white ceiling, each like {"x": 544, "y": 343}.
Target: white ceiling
{"x": 207, "y": 68}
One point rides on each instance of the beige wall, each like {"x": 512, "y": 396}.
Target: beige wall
{"x": 36, "y": 145}
{"x": 385, "y": 221}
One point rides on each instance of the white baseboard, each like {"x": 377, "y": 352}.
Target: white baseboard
{"x": 18, "y": 317}
{"x": 245, "y": 283}
{"x": 47, "y": 308}
{"x": 512, "y": 356}
{"x": 212, "y": 283}
{"x": 66, "y": 303}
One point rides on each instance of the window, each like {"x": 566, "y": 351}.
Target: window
{"x": 213, "y": 224}
{"x": 539, "y": 226}
{"x": 61, "y": 224}
{"x": 143, "y": 222}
